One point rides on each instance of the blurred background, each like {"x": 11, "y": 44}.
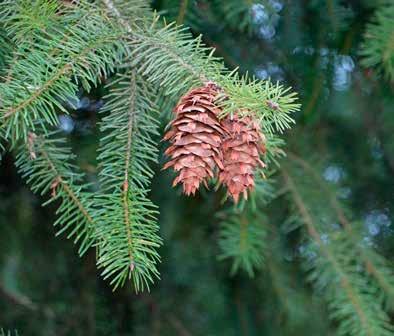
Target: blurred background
{"x": 344, "y": 134}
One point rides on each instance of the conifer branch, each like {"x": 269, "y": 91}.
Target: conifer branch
{"x": 243, "y": 230}
{"x": 66, "y": 54}
{"x": 316, "y": 237}
{"x": 161, "y": 53}
{"x": 44, "y": 163}
{"x": 127, "y": 235}
{"x": 380, "y": 271}
{"x": 170, "y": 57}
{"x": 59, "y": 181}
{"x": 371, "y": 319}
{"x": 378, "y": 47}
{"x": 93, "y": 51}
{"x": 48, "y": 85}
{"x": 242, "y": 238}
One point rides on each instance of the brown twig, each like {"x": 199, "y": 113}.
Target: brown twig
{"x": 182, "y": 12}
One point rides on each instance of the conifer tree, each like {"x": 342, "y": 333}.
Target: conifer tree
{"x": 224, "y": 132}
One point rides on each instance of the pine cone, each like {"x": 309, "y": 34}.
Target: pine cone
{"x": 241, "y": 149}
{"x": 195, "y": 137}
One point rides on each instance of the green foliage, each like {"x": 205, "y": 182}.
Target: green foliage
{"x": 78, "y": 48}
{"x": 45, "y": 164}
{"x": 378, "y": 48}
{"x": 5, "y": 51}
{"x": 7, "y": 333}
{"x": 171, "y": 58}
{"x": 78, "y": 45}
{"x": 237, "y": 15}
{"x": 244, "y": 231}
{"x": 50, "y": 51}
{"x": 60, "y": 51}
{"x": 290, "y": 294}
{"x": 355, "y": 283}
{"x": 351, "y": 298}
{"x": 127, "y": 230}
{"x": 271, "y": 104}
{"x": 172, "y": 48}
{"x": 243, "y": 239}
{"x": 336, "y": 13}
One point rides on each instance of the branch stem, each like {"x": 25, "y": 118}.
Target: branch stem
{"x": 182, "y": 12}
{"x": 130, "y": 123}
{"x": 66, "y": 186}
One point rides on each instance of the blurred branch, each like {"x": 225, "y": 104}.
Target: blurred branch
{"x": 178, "y": 325}
{"x": 345, "y": 282}
{"x": 318, "y": 85}
{"x": 342, "y": 218}
{"x": 182, "y": 12}
{"x": 25, "y": 302}
{"x": 18, "y": 299}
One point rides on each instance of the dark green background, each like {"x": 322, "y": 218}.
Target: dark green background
{"x": 345, "y": 128}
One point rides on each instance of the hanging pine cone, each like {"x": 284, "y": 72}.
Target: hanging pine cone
{"x": 195, "y": 137}
{"x": 241, "y": 149}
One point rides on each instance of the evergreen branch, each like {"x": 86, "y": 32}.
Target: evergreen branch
{"x": 127, "y": 233}
{"x": 157, "y": 42}
{"x": 272, "y": 104}
{"x": 156, "y": 48}
{"x": 243, "y": 230}
{"x": 11, "y": 111}
{"x": 378, "y": 47}
{"x": 33, "y": 40}
{"x": 354, "y": 308}
{"x": 242, "y": 238}
{"x": 169, "y": 57}
{"x": 59, "y": 181}
{"x": 345, "y": 283}
{"x": 375, "y": 265}
{"x": 62, "y": 51}
{"x": 43, "y": 162}
{"x": 17, "y": 299}
{"x": 92, "y": 52}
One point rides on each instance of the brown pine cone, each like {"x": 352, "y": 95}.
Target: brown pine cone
{"x": 195, "y": 136}
{"x": 241, "y": 149}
